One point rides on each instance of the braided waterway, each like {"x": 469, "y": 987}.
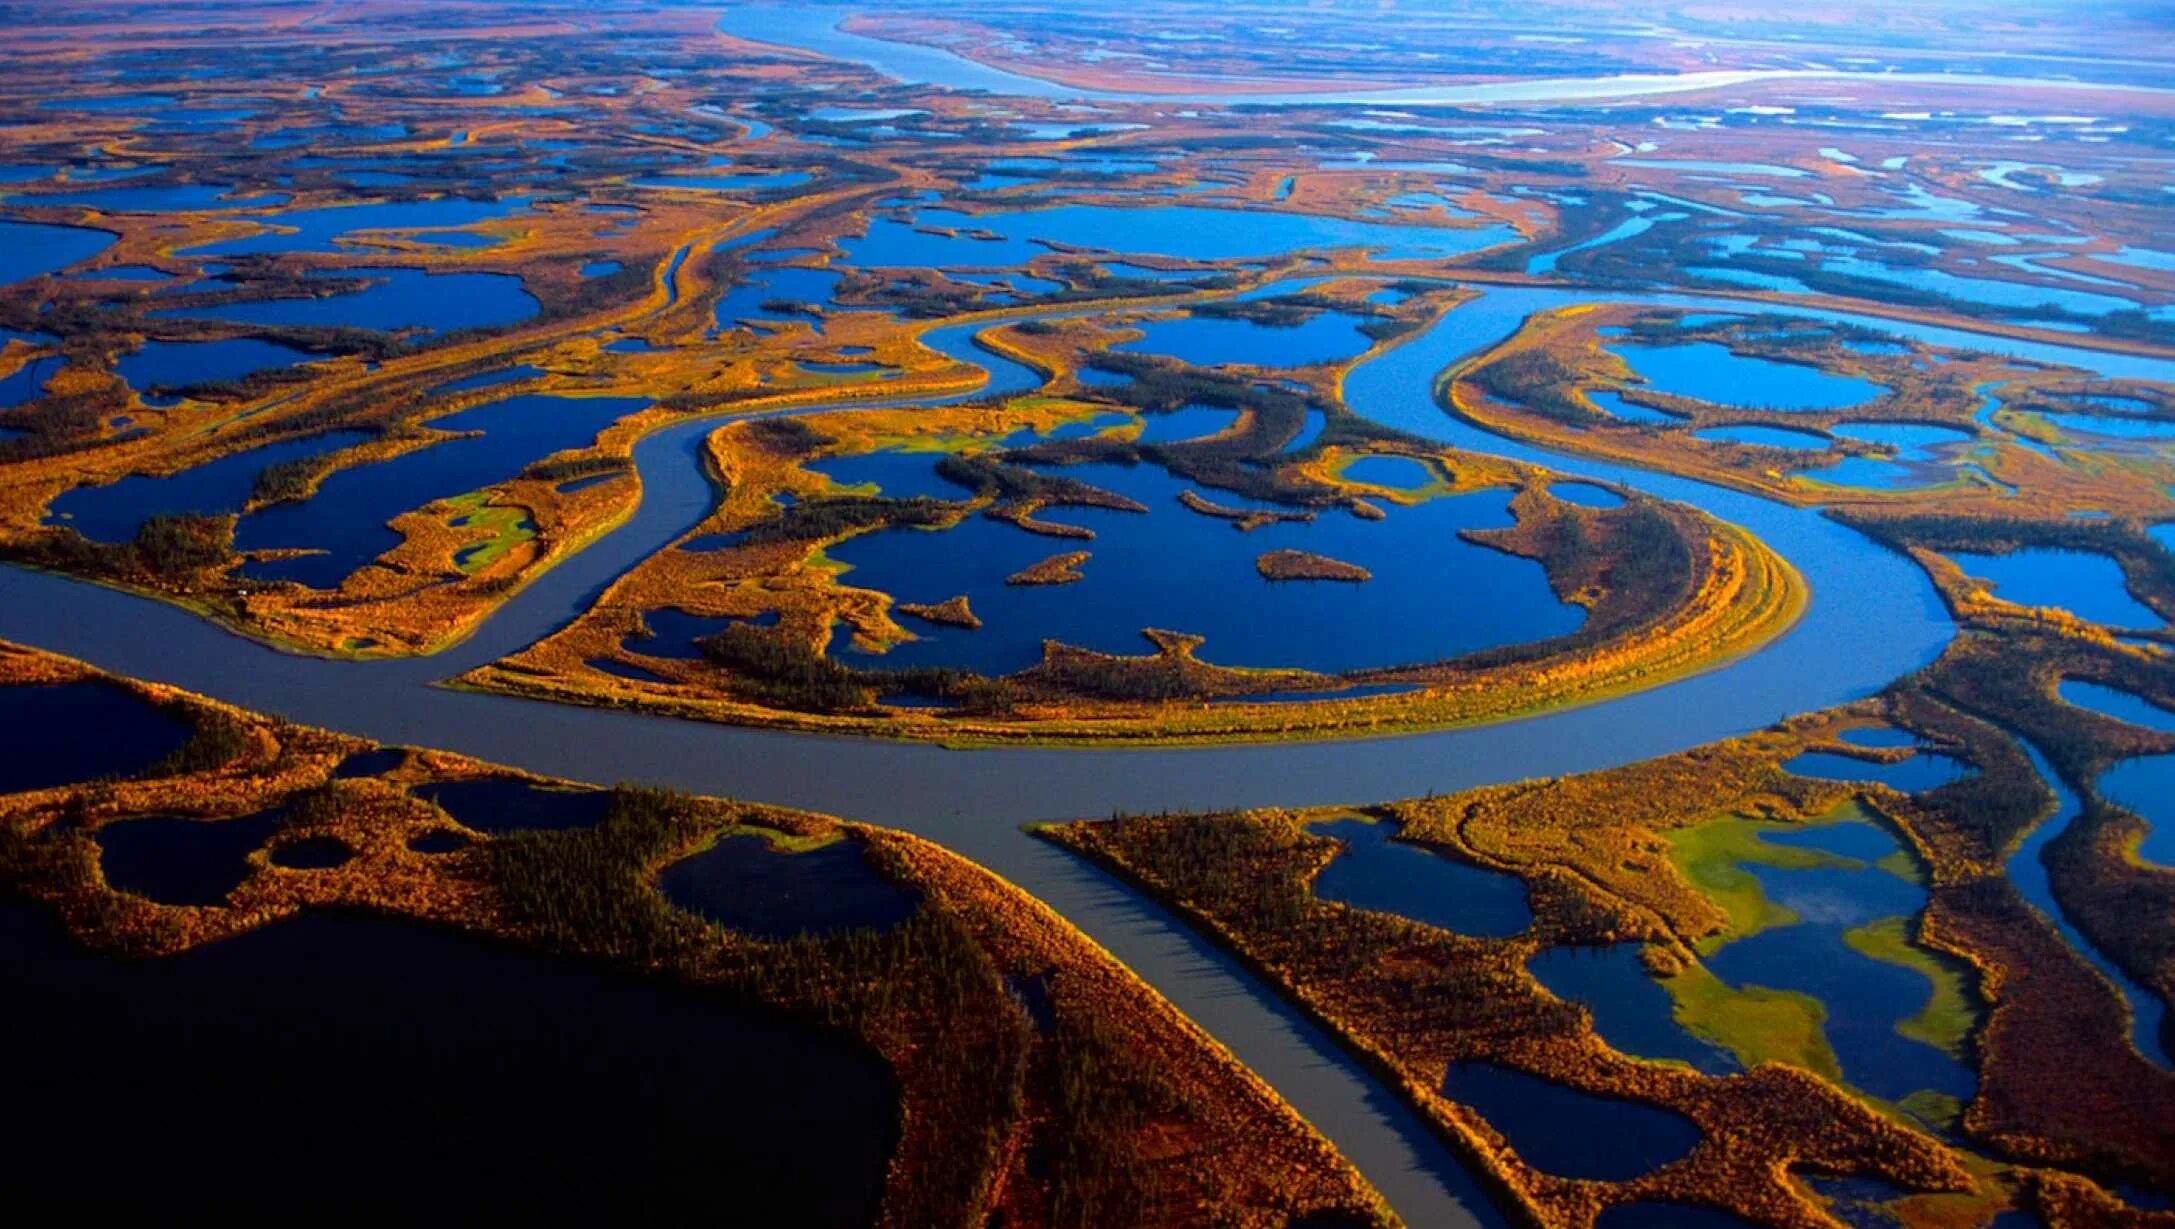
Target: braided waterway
{"x": 1873, "y": 617}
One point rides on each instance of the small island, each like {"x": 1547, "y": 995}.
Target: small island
{"x": 1305, "y": 565}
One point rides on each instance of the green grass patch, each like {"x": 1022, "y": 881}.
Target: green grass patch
{"x": 1712, "y": 857}
{"x": 1756, "y": 1024}
{"x": 509, "y": 527}
{"x": 1949, "y": 1013}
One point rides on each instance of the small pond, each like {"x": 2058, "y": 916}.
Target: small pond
{"x": 748, "y": 884}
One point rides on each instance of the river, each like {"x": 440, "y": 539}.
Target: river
{"x": 1873, "y": 617}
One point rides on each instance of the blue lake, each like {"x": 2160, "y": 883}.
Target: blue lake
{"x": 1710, "y": 371}
{"x": 1378, "y": 873}
{"x": 1615, "y": 1140}
{"x": 28, "y": 381}
{"x": 1586, "y": 495}
{"x": 2118, "y": 704}
{"x": 321, "y": 229}
{"x": 33, "y": 249}
{"x": 1865, "y": 999}
{"x": 183, "y": 861}
{"x": 72, "y": 732}
{"x": 1178, "y": 570}
{"x": 892, "y": 474}
{"x": 1209, "y": 341}
{"x": 1923, "y": 771}
{"x": 2088, "y": 586}
{"x": 114, "y": 513}
{"x": 1632, "y": 1012}
{"x": 2146, "y": 785}
{"x": 179, "y": 364}
{"x": 1878, "y": 736}
{"x": 1395, "y": 473}
{"x": 394, "y": 300}
{"x": 783, "y": 284}
{"x": 673, "y": 632}
{"x": 509, "y": 804}
{"x": 2028, "y": 871}
{"x": 1190, "y": 232}
{"x": 346, "y": 518}
{"x": 745, "y": 883}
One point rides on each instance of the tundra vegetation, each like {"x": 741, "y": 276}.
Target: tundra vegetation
{"x": 1036, "y": 1078}
{"x": 268, "y": 272}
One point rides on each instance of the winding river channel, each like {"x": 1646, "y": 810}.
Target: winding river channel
{"x": 1873, "y": 617}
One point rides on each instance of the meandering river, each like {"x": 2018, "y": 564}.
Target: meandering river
{"x": 1873, "y": 617}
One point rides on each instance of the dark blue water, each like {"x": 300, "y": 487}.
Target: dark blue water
{"x": 28, "y": 381}
{"x": 179, "y": 364}
{"x": 2088, "y": 586}
{"x": 1878, "y": 736}
{"x": 892, "y": 474}
{"x": 1189, "y": 232}
{"x": 784, "y": 283}
{"x": 346, "y": 518}
{"x": 2146, "y": 785}
{"x": 600, "y": 268}
{"x": 1709, "y": 371}
{"x": 1923, "y": 771}
{"x": 1208, "y": 341}
{"x": 746, "y": 884}
{"x": 114, "y": 513}
{"x": 1631, "y": 1010}
{"x": 2118, "y": 704}
{"x": 394, "y": 299}
{"x": 553, "y": 1090}
{"x": 183, "y": 861}
{"x": 72, "y": 732}
{"x": 1178, "y": 570}
{"x": 318, "y": 230}
{"x": 673, "y": 632}
{"x": 1187, "y": 422}
{"x": 2028, "y": 872}
{"x": 507, "y": 804}
{"x": 1615, "y": 1140}
{"x": 1865, "y": 999}
{"x": 33, "y": 249}
{"x": 1586, "y": 495}
{"x": 1378, "y": 873}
